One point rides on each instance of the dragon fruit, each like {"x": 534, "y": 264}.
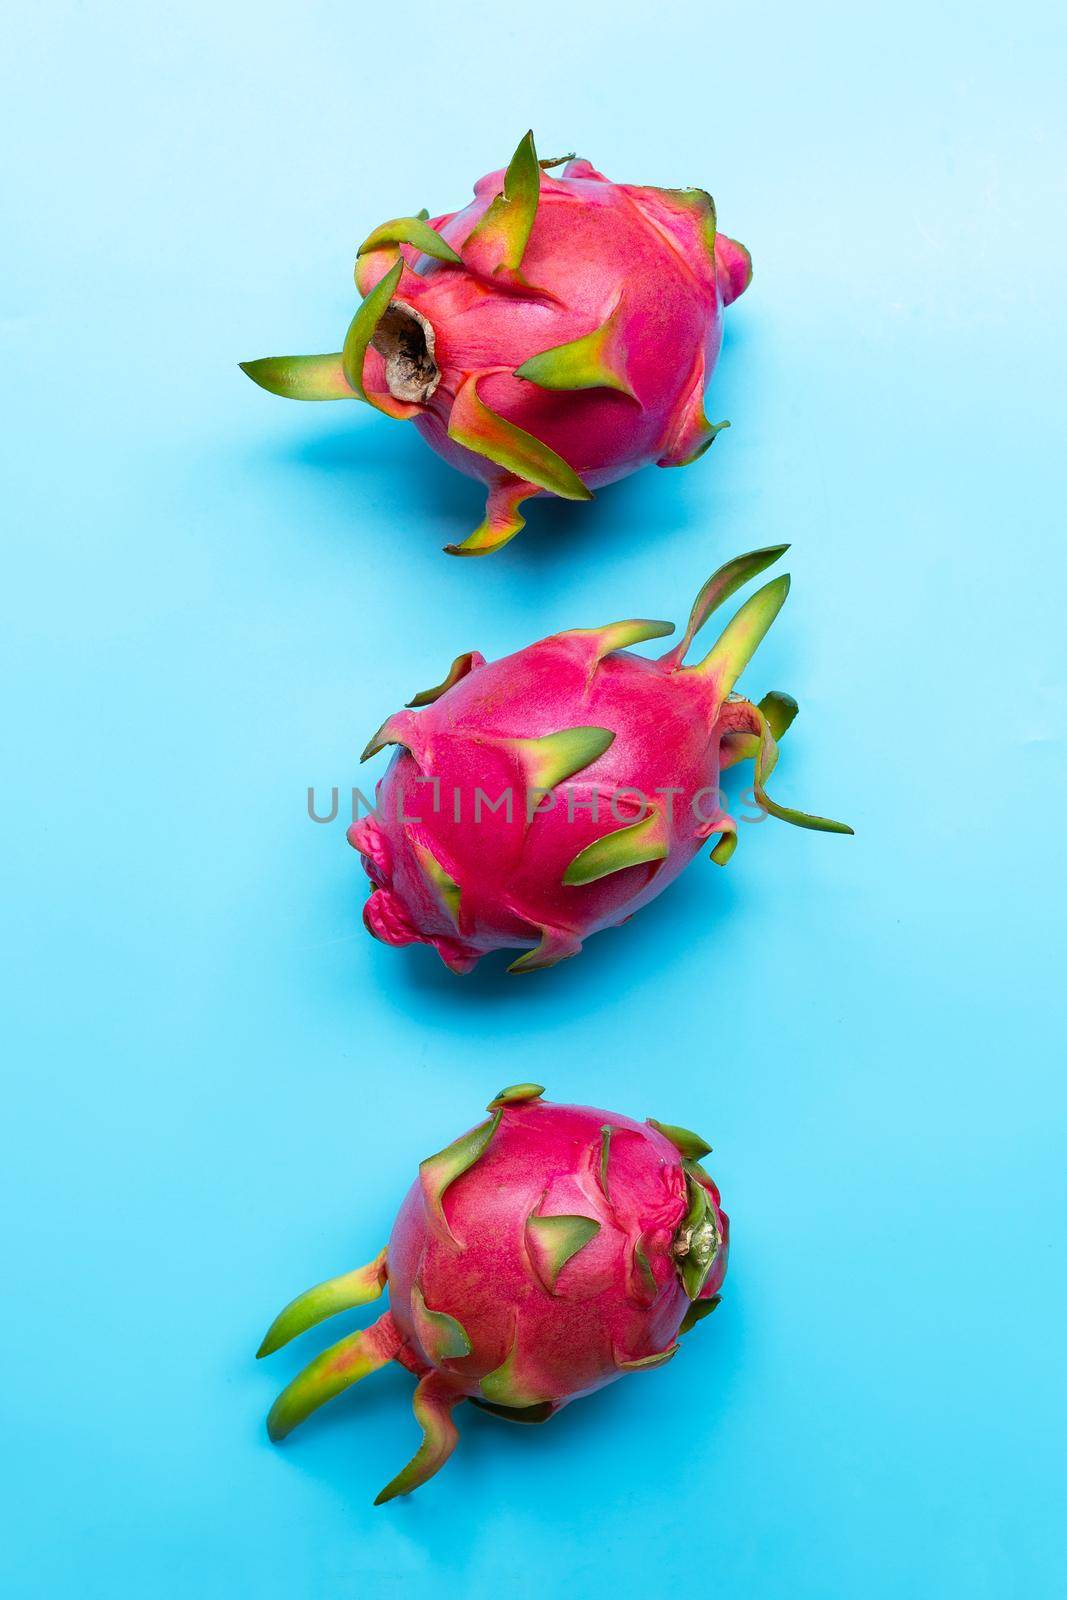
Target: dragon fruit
{"x": 547, "y": 1252}
{"x": 551, "y": 794}
{"x": 552, "y": 337}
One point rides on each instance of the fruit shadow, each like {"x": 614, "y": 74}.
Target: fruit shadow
{"x": 696, "y": 908}
{"x": 378, "y": 480}
{"x": 439, "y": 506}
{"x": 491, "y": 1451}
{"x": 377, "y": 460}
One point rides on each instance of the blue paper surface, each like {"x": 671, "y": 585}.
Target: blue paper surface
{"x": 218, "y": 1087}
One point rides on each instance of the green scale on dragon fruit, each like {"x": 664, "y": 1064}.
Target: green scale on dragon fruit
{"x": 552, "y": 337}
{"x": 547, "y": 1252}
{"x": 535, "y": 800}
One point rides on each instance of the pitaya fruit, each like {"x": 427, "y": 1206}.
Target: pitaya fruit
{"x": 552, "y": 337}
{"x": 545, "y": 1253}
{"x": 552, "y": 793}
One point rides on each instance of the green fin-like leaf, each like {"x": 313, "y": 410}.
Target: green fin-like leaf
{"x": 595, "y": 361}
{"x": 433, "y": 1404}
{"x": 302, "y": 377}
{"x": 443, "y": 884}
{"x": 780, "y": 711}
{"x": 472, "y": 424}
{"x": 363, "y": 325}
{"x": 500, "y": 237}
{"x": 557, "y": 944}
{"x": 555, "y": 161}
{"x": 504, "y": 1387}
{"x": 725, "y": 848}
{"x": 605, "y": 1157}
{"x": 698, "y": 1310}
{"x": 765, "y": 760}
{"x": 620, "y": 635}
{"x": 730, "y": 577}
{"x": 392, "y": 731}
{"x": 351, "y": 1289}
{"x": 442, "y": 1337}
{"x": 459, "y": 669}
{"x": 552, "y": 1241}
{"x": 693, "y": 435}
{"x": 516, "y": 1095}
{"x": 662, "y": 207}
{"x": 709, "y": 433}
{"x": 439, "y": 1171}
{"x": 502, "y": 520}
{"x": 688, "y": 1144}
{"x": 641, "y": 842}
{"x": 701, "y": 203}
{"x": 643, "y": 1272}
{"x": 737, "y": 747}
{"x": 555, "y": 757}
{"x": 409, "y": 230}
{"x": 331, "y": 1373}
{"x": 743, "y": 634}
{"x": 646, "y": 1363}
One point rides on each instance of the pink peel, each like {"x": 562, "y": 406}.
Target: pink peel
{"x": 546, "y": 1253}
{"x": 551, "y": 337}
{"x": 541, "y": 798}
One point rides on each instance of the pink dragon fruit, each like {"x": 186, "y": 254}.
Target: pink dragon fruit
{"x": 552, "y": 337}
{"x": 552, "y": 793}
{"x": 547, "y": 1252}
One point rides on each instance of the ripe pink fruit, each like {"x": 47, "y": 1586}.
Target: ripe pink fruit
{"x": 555, "y": 335}
{"x": 544, "y": 1254}
{"x": 550, "y": 794}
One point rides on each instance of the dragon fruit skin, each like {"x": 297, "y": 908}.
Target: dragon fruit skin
{"x": 607, "y": 762}
{"x": 547, "y": 1252}
{"x": 555, "y": 335}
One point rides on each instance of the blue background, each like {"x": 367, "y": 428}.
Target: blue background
{"x": 218, "y": 1086}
